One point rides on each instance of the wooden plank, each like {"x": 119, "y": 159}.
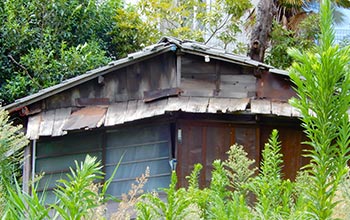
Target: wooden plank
{"x": 195, "y": 87}
{"x": 81, "y": 102}
{"x": 232, "y": 93}
{"x": 246, "y": 79}
{"x": 218, "y": 105}
{"x": 153, "y": 95}
{"x": 33, "y": 126}
{"x": 238, "y": 104}
{"x": 260, "y": 106}
{"x": 158, "y": 107}
{"x": 130, "y": 110}
{"x": 141, "y": 111}
{"x": 177, "y": 104}
{"x": 238, "y": 86}
{"x": 178, "y": 70}
{"x": 26, "y": 169}
{"x": 61, "y": 116}
{"x": 46, "y": 124}
{"x": 116, "y": 113}
{"x": 197, "y": 104}
{"x": 280, "y": 108}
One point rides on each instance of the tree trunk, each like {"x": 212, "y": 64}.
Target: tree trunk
{"x": 262, "y": 29}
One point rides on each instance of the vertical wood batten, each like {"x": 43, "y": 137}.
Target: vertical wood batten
{"x": 178, "y": 70}
{"x": 26, "y": 168}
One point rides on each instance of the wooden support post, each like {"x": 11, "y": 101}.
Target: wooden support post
{"x": 26, "y": 169}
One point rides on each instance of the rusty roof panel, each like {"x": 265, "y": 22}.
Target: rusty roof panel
{"x": 85, "y": 118}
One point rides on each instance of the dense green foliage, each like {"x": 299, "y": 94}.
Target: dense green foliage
{"x": 77, "y": 197}
{"x": 303, "y": 39}
{"x": 12, "y": 140}
{"x": 43, "y": 43}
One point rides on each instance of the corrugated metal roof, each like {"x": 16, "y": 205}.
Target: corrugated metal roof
{"x": 164, "y": 45}
{"x": 58, "y": 122}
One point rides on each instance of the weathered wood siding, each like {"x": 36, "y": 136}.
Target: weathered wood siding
{"x": 216, "y": 78}
{"x": 203, "y": 142}
{"x": 128, "y": 83}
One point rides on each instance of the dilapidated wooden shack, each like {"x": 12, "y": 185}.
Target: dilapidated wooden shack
{"x": 173, "y": 100}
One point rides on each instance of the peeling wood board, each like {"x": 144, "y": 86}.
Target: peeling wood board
{"x": 61, "y": 116}
{"x": 116, "y": 113}
{"x": 177, "y": 104}
{"x": 33, "y": 126}
{"x": 218, "y": 105}
{"x": 227, "y": 105}
{"x": 47, "y": 122}
{"x": 281, "y": 109}
{"x": 197, "y": 104}
{"x": 160, "y": 93}
{"x": 238, "y": 104}
{"x": 141, "y": 111}
{"x": 260, "y": 106}
{"x": 157, "y": 108}
{"x": 130, "y": 110}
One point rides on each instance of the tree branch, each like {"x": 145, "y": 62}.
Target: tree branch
{"x": 24, "y": 68}
{"x": 218, "y": 28}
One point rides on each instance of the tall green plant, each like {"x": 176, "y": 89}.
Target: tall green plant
{"x": 12, "y": 141}
{"x": 78, "y": 197}
{"x": 178, "y": 205}
{"x": 322, "y": 82}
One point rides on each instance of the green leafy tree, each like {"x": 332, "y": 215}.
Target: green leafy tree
{"x": 322, "y": 83}
{"x": 286, "y": 14}
{"x": 43, "y": 43}
{"x": 194, "y": 19}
